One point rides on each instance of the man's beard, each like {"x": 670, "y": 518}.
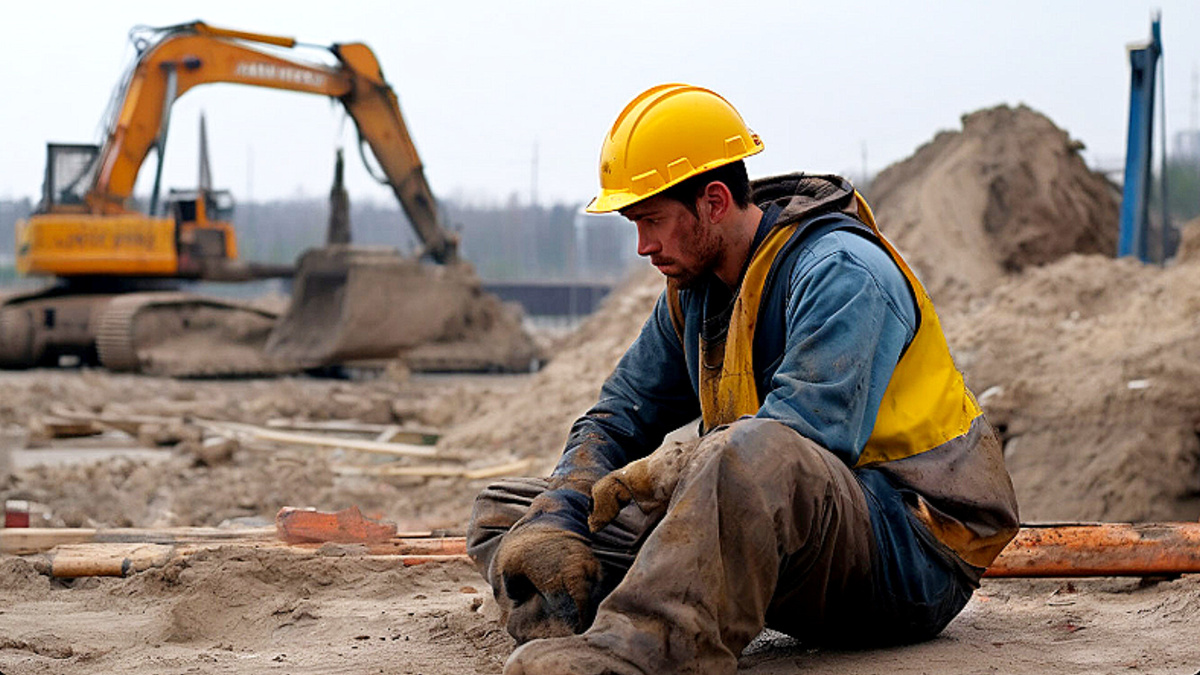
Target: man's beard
{"x": 706, "y": 249}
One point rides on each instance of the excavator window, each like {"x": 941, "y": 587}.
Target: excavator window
{"x": 70, "y": 171}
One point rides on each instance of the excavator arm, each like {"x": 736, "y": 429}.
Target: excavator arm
{"x": 189, "y": 55}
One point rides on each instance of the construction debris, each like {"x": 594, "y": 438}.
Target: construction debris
{"x": 516, "y": 467}
{"x": 47, "y": 427}
{"x": 383, "y": 433}
{"x": 1066, "y": 550}
{"x": 292, "y": 438}
{"x": 296, "y": 526}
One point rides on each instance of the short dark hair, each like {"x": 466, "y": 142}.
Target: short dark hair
{"x": 733, "y": 175}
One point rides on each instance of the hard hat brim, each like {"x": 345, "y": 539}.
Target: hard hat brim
{"x": 615, "y": 200}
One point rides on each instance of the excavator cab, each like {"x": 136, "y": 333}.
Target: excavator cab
{"x": 70, "y": 172}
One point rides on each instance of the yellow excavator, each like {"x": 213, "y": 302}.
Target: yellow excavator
{"x": 117, "y": 270}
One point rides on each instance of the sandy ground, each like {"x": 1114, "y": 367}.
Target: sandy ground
{"x": 1087, "y": 366}
{"x": 233, "y": 612}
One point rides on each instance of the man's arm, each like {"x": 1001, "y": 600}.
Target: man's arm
{"x": 850, "y": 314}
{"x": 648, "y": 395}
{"x": 546, "y": 577}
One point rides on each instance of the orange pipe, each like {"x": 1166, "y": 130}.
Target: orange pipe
{"x": 1101, "y": 549}
{"x": 1056, "y": 550}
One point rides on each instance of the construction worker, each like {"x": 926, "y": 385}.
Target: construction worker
{"x": 845, "y": 488}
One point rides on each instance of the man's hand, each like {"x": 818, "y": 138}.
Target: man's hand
{"x": 649, "y": 481}
{"x": 548, "y": 581}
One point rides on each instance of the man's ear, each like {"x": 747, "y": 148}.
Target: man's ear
{"x": 716, "y": 201}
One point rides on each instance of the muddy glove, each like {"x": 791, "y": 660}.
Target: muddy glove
{"x": 548, "y": 581}
{"x": 649, "y": 482}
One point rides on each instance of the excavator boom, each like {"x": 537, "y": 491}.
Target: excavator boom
{"x": 181, "y": 57}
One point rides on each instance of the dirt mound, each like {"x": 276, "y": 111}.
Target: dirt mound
{"x": 1008, "y": 192}
{"x": 533, "y": 421}
{"x": 1090, "y": 368}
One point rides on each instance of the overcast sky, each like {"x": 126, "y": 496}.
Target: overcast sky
{"x": 484, "y": 84}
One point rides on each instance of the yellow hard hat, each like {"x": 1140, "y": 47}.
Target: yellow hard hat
{"x": 666, "y": 135}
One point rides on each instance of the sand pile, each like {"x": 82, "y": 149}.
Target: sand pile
{"x": 534, "y": 420}
{"x": 1007, "y": 192}
{"x": 1090, "y": 368}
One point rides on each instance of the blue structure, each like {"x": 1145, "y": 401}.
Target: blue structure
{"x": 1135, "y": 202}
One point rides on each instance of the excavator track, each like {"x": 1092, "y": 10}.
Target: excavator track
{"x": 183, "y": 335}
{"x": 114, "y": 337}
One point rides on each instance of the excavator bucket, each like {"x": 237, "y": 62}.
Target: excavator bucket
{"x": 356, "y": 303}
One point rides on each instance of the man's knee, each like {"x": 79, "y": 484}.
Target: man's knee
{"x": 765, "y": 450}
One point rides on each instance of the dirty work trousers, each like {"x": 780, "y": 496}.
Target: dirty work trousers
{"x": 764, "y": 528}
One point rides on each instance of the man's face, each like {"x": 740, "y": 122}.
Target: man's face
{"x": 681, "y": 245}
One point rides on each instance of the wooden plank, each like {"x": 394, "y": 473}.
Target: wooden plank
{"x": 333, "y": 426}
{"x": 383, "y": 433}
{"x": 25, "y": 540}
{"x": 506, "y": 469}
{"x": 130, "y": 424}
{"x": 107, "y": 560}
{"x": 410, "y": 560}
{"x": 59, "y": 427}
{"x": 118, "y": 560}
{"x": 293, "y": 438}
{"x": 429, "y": 546}
{"x": 1102, "y": 549}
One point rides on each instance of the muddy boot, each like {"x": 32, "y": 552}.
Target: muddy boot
{"x": 575, "y": 655}
{"x": 763, "y": 523}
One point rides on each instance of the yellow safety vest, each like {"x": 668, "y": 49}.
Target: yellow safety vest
{"x": 926, "y": 402}
{"x": 925, "y": 406}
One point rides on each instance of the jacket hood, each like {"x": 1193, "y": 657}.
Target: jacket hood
{"x": 802, "y": 196}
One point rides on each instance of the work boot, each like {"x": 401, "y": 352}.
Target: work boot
{"x": 574, "y": 655}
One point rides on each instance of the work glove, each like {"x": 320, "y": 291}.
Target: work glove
{"x": 649, "y": 482}
{"x": 548, "y": 581}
